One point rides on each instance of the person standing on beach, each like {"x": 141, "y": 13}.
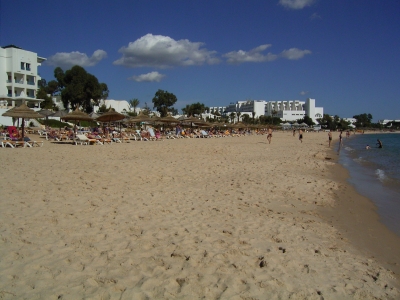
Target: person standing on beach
{"x": 300, "y": 135}
{"x": 269, "y": 135}
{"x": 330, "y": 137}
{"x": 340, "y": 138}
{"x": 294, "y": 132}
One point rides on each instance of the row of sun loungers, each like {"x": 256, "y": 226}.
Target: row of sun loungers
{"x": 24, "y": 144}
{"x": 127, "y": 136}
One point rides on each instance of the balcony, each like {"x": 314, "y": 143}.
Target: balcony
{"x": 30, "y": 82}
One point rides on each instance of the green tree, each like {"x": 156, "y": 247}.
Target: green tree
{"x": 363, "y": 120}
{"x": 232, "y": 116}
{"x": 103, "y": 108}
{"x": 327, "y": 122}
{"x": 306, "y": 120}
{"x": 42, "y": 94}
{"x": 194, "y": 109}
{"x": 163, "y": 102}
{"x": 238, "y": 114}
{"x": 80, "y": 88}
{"x": 134, "y": 103}
{"x": 343, "y": 124}
{"x": 146, "y": 109}
{"x": 246, "y": 119}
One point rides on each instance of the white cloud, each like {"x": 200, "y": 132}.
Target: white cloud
{"x": 162, "y": 52}
{"x": 294, "y": 53}
{"x": 149, "y": 77}
{"x": 66, "y": 60}
{"x": 315, "y": 16}
{"x": 254, "y": 55}
{"x": 296, "y": 4}
{"x": 304, "y": 93}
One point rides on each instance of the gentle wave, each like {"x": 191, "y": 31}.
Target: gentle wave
{"x": 347, "y": 148}
{"x": 381, "y": 174}
{"x": 359, "y": 159}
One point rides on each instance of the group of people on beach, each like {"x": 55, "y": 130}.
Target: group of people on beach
{"x": 379, "y": 142}
{"x": 269, "y": 135}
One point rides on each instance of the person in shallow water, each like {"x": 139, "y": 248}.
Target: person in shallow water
{"x": 379, "y": 143}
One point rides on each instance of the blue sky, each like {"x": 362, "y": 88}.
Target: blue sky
{"x": 345, "y": 54}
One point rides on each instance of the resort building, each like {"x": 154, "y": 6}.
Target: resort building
{"x": 386, "y": 121}
{"x": 292, "y": 110}
{"x": 288, "y": 110}
{"x": 248, "y": 107}
{"x": 19, "y": 76}
{"x": 19, "y": 79}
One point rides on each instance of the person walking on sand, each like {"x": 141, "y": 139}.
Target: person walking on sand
{"x": 294, "y": 132}
{"x": 330, "y": 137}
{"x": 269, "y": 135}
{"x": 300, "y": 135}
{"x": 340, "y": 138}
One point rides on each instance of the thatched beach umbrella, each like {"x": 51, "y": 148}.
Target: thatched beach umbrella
{"x": 110, "y": 116}
{"x": 46, "y": 113}
{"x": 169, "y": 120}
{"x": 139, "y": 119}
{"x": 23, "y": 112}
{"x": 59, "y": 114}
{"x": 76, "y": 115}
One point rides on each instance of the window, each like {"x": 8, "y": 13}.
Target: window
{"x": 22, "y": 66}
{"x": 28, "y": 67}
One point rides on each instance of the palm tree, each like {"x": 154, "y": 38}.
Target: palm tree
{"x": 232, "y": 116}
{"x": 134, "y": 103}
{"x": 238, "y": 115}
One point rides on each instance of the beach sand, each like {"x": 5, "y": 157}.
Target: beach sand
{"x": 229, "y": 218}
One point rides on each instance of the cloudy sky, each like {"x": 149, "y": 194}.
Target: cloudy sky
{"x": 345, "y": 54}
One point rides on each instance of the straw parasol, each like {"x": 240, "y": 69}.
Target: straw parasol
{"x": 46, "y": 113}
{"x": 59, "y": 114}
{"x": 168, "y": 119}
{"x": 23, "y": 112}
{"x": 110, "y": 116}
{"x": 76, "y": 115}
{"x": 141, "y": 118}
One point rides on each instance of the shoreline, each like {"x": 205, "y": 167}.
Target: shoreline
{"x": 188, "y": 218}
{"x": 357, "y": 218}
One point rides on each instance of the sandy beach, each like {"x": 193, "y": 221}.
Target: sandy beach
{"x": 218, "y": 218}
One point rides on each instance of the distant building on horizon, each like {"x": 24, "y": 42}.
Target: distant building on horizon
{"x": 287, "y": 110}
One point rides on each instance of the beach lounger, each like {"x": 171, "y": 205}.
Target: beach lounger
{"x": 13, "y": 144}
{"x": 204, "y": 134}
{"x": 153, "y": 136}
{"x": 142, "y": 138}
{"x": 84, "y": 140}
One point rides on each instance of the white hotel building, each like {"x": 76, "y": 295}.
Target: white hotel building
{"x": 290, "y": 110}
{"x": 18, "y": 79}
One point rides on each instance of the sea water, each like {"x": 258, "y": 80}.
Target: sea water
{"x": 375, "y": 172}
